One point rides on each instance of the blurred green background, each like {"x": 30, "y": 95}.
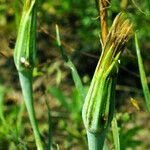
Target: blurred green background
{"x": 78, "y": 22}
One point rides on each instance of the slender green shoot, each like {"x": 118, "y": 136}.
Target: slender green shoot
{"x": 74, "y": 72}
{"x": 2, "y": 93}
{"x": 49, "y": 146}
{"x": 24, "y": 57}
{"x": 142, "y": 75}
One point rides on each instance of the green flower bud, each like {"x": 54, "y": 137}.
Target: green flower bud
{"x": 99, "y": 103}
{"x": 25, "y": 48}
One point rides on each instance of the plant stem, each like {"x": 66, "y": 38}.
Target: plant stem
{"x": 26, "y": 85}
{"x": 96, "y": 141}
{"x": 115, "y": 132}
{"x": 24, "y": 58}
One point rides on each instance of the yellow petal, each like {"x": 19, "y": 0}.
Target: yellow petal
{"x": 135, "y": 103}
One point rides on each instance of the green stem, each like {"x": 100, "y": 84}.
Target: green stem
{"x": 26, "y": 85}
{"x": 96, "y": 141}
{"x": 115, "y": 132}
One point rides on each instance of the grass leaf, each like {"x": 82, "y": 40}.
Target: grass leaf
{"x": 2, "y": 93}
{"x": 142, "y": 75}
{"x": 49, "y": 146}
{"x": 74, "y": 72}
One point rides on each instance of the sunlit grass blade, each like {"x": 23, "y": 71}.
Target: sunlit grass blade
{"x": 142, "y": 75}
{"x": 74, "y": 72}
{"x": 115, "y": 133}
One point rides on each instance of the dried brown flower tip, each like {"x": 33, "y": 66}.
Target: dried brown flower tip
{"x": 119, "y": 34}
{"x": 117, "y": 37}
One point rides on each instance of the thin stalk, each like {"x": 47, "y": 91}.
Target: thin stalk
{"x": 49, "y": 146}
{"x": 96, "y": 141}
{"x": 2, "y": 93}
{"x": 24, "y": 58}
{"x": 115, "y": 132}
{"x": 26, "y": 85}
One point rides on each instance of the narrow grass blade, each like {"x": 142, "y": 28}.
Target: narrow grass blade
{"x": 142, "y": 75}
{"x": 17, "y": 14}
{"x": 76, "y": 79}
{"x": 2, "y": 93}
{"x": 115, "y": 134}
{"x": 73, "y": 69}
{"x": 49, "y": 146}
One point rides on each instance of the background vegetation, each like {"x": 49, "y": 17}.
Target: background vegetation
{"x": 79, "y": 29}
